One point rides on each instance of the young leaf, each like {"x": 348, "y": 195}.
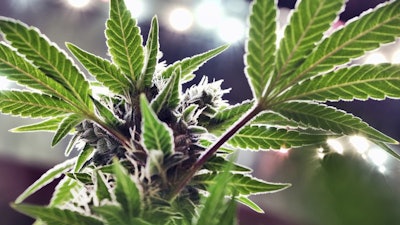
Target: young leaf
{"x": 62, "y": 192}
{"x": 50, "y": 125}
{"x": 156, "y": 134}
{"x": 264, "y": 138}
{"x": 56, "y": 216}
{"x": 356, "y": 82}
{"x": 169, "y": 97}
{"x": 83, "y": 157}
{"x": 241, "y": 184}
{"x": 124, "y": 40}
{"x": 127, "y": 191}
{"x": 260, "y": 46}
{"x": 329, "y": 118}
{"x": 191, "y": 64}
{"x": 46, "y": 178}
{"x": 108, "y": 116}
{"x": 65, "y": 127}
{"x": 102, "y": 190}
{"x": 29, "y": 104}
{"x": 152, "y": 50}
{"x": 305, "y": 29}
{"x": 16, "y": 68}
{"x": 103, "y": 70}
{"x": 249, "y": 203}
{"x": 373, "y": 29}
{"x": 47, "y": 57}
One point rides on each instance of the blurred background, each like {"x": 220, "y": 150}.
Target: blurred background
{"x": 354, "y": 184}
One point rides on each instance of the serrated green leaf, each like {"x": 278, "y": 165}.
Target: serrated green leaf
{"x": 50, "y": 125}
{"x": 225, "y": 118}
{"x": 356, "y": 82}
{"x": 30, "y": 104}
{"x": 124, "y": 40}
{"x": 214, "y": 206}
{"x": 46, "y": 178}
{"x": 156, "y": 134}
{"x": 169, "y": 96}
{"x": 191, "y": 64}
{"x": 126, "y": 191}
{"x": 102, "y": 190}
{"x": 249, "y": 203}
{"x": 56, "y": 216}
{"x": 266, "y": 138}
{"x": 83, "y": 178}
{"x": 261, "y": 45}
{"x": 306, "y": 27}
{"x": 114, "y": 215}
{"x": 241, "y": 184}
{"x": 329, "y": 118}
{"x": 62, "y": 192}
{"x": 151, "y": 58}
{"x": 273, "y": 119}
{"x": 67, "y": 124}
{"x": 83, "y": 157}
{"x": 104, "y": 71}
{"x": 217, "y": 164}
{"x": 49, "y": 58}
{"x": 16, "y": 68}
{"x": 108, "y": 116}
{"x": 371, "y": 30}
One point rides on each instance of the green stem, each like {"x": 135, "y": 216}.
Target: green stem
{"x": 213, "y": 149}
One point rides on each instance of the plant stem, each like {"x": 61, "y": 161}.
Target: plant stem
{"x": 213, "y": 149}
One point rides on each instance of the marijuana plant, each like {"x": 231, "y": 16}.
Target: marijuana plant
{"x": 152, "y": 153}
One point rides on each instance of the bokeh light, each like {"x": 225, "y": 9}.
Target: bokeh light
{"x": 181, "y": 19}
{"x": 4, "y": 83}
{"x": 375, "y": 58}
{"x": 137, "y": 7}
{"x": 231, "y": 29}
{"x": 79, "y": 4}
{"x": 209, "y": 14}
{"x": 335, "y": 145}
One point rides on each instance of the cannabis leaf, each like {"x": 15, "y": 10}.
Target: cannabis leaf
{"x": 124, "y": 40}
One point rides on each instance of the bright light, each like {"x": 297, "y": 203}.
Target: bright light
{"x": 181, "y": 19}
{"x": 396, "y": 57}
{"x": 209, "y": 14}
{"x": 360, "y": 143}
{"x": 335, "y": 145}
{"x": 231, "y": 30}
{"x": 136, "y": 7}
{"x": 382, "y": 169}
{"x": 79, "y": 4}
{"x": 375, "y": 58}
{"x": 284, "y": 150}
{"x": 377, "y": 156}
{"x": 320, "y": 153}
{"x": 4, "y": 83}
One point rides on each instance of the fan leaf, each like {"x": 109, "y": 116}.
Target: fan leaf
{"x": 191, "y": 64}
{"x": 65, "y": 127}
{"x": 49, "y": 58}
{"x": 264, "y": 138}
{"x": 46, "y": 178}
{"x": 156, "y": 134}
{"x": 62, "y": 192}
{"x": 16, "y": 68}
{"x": 52, "y": 216}
{"x": 305, "y": 29}
{"x": 371, "y": 30}
{"x": 35, "y": 105}
{"x": 329, "y": 118}
{"x": 104, "y": 71}
{"x": 260, "y": 45}
{"x": 356, "y": 82}
{"x": 50, "y": 125}
{"x": 152, "y": 50}
{"x": 124, "y": 40}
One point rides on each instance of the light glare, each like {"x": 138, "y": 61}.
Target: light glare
{"x": 231, "y": 30}
{"x": 375, "y": 58}
{"x": 209, "y": 14}
{"x": 79, "y": 4}
{"x": 377, "y": 156}
{"x": 136, "y": 7}
{"x": 181, "y": 19}
{"x": 360, "y": 143}
{"x": 4, "y": 83}
{"x": 396, "y": 57}
{"x": 335, "y": 145}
